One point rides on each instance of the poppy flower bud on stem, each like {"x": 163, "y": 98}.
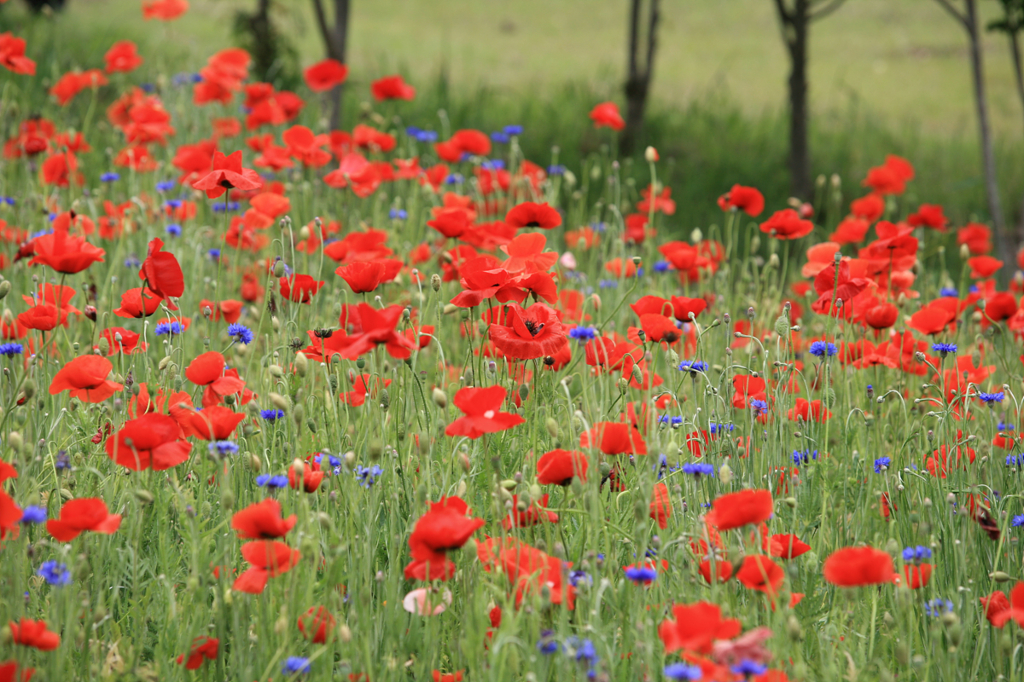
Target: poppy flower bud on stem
{"x": 90, "y": 310}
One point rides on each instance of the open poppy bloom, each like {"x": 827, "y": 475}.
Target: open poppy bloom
{"x": 366, "y": 276}
{"x": 529, "y": 333}
{"x": 211, "y": 423}
{"x": 696, "y": 627}
{"x": 228, "y": 173}
{"x": 376, "y": 327}
{"x": 614, "y": 438}
{"x": 758, "y": 572}
{"x": 482, "y": 412}
{"x": 746, "y": 199}
{"x": 161, "y": 271}
{"x": 661, "y": 505}
{"x": 300, "y": 288}
{"x": 317, "y": 624}
{"x": 12, "y": 55}
{"x": 528, "y": 569}
{"x": 310, "y": 478}
{"x": 326, "y": 75}
{"x": 262, "y": 521}
{"x": 80, "y": 515}
{"x": 607, "y": 115}
{"x": 558, "y": 467}
{"x": 534, "y": 514}
{"x": 856, "y": 566}
{"x": 735, "y": 510}
{"x": 148, "y": 442}
{"x": 33, "y": 633}
{"x": 268, "y": 558}
{"x": 62, "y": 252}
{"x": 164, "y": 10}
{"x": 787, "y": 224}
{"x": 392, "y": 87}
{"x": 122, "y": 57}
{"x": 446, "y": 526}
{"x": 86, "y": 378}
{"x": 203, "y": 648}
{"x": 529, "y": 214}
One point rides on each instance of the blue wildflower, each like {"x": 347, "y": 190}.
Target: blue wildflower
{"x": 54, "y": 573}
{"x": 822, "y": 348}
{"x": 662, "y": 266}
{"x": 8, "y": 200}
{"x": 63, "y": 460}
{"x": 670, "y": 420}
{"x": 759, "y": 406}
{"x": 454, "y": 179}
{"x": 173, "y": 328}
{"x": 989, "y": 398}
{"x": 644, "y": 575}
{"x": 240, "y": 333}
{"x": 295, "y": 665}
{"x": 916, "y": 554}
{"x": 576, "y": 578}
{"x": 513, "y": 130}
{"x": 229, "y": 207}
{"x": 556, "y": 170}
{"x": 499, "y": 137}
{"x": 271, "y": 415}
{"x": 266, "y": 480}
{"x": 715, "y": 428}
{"x": 607, "y": 284}
{"x": 223, "y": 448}
{"x": 132, "y": 262}
{"x": 582, "y": 334}
{"x": 547, "y": 644}
{"x": 937, "y": 607}
{"x": 110, "y": 177}
{"x": 165, "y": 185}
{"x": 368, "y": 475}
{"x": 699, "y": 469}
{"x": 398, "y": 214}
{"x": 426, "y": 136}
{"x": 749, "y": 668}
{"x": 1003, "y": 426}
{"x": 174, "y": 229}
{"x": 806, "y": 456}
{"x": 214, "y": 254}
{"x": 1017, "y": 521}
{"x": 946, "y": 292}
{"x": 172, "y": 203}
{"x": 33, "y": 514}
{"x": 683, "y": 671}
{"x": 584, "y": 650}
{"x": 693, "y": 366}
{"x": 10, "y": 349}
{"x": 882, "y": 462}
{"x": 598, "y": 226}
{"x": 944, "y": 348}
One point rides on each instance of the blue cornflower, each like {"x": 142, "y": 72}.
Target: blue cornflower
{"x": 54, "y": 573}
{"x": 759, "y": 406}
{"x": 944, "y": 348}
{"x": 881, "y": 462}
{"x": 820, "y": 348}
{"x": 271, "y": 415}
{"x": 584, "y": 650}
{"x": 693, "y": 366}
{"x": 946, "y": 292}
{"x": 607, "y": 284}
{"x": 699, "y": 469}
{"x": 240, "y": 333}
{"x": 1003, "y": 426}
{"x": 132, "y": 261}
{"x": 806, "y": 456}
{"x": 165, "y": 186}
{"x": 547, "y": 644}
{"x": 8, "y": 200}
{"x": 63, "y": 460}
{"x": 331, "y": 459}
{"x": 1014, "y": 460}
{"x": 174, "y": 229}
{"x": 990, "y": 398}
{"x": 499, "y": 137}
{"x": 172, "y": 203}
{"x": 683, "y": 671}
{"x": 426, "y": 136}
{"x": 110, "y": 177}
{"x": 513, "y": 130}
{"x": 266, "y": 480}
{"x": 493, "y": 164}
{"x": 672, "y": 421}
{"x": 214, "y": 254}
{"x": 749, "y": 668}
{"x": 454, "y": 179}
{"x": 294, "y": 665}
{"x": 368, "y": 475}
{"x": 598, "y": 226}
{"x": 644, "y": 575}
{"x": 398, "y": 214}
{"x": 413, "y": 131}
{"x": 33, "y": 514}
{"x": 223, "y": 447}
{"x": 582, "y": 334}
{"x": 662, "y": 266}
{"x": 916, "y": 554}
{"x": 173, "y": 328}
{"x": 10, "y": 349}
{"x": 1017, "y": 521}
{"x": 556, "y": 170}
{"x": 937, "y": 607}
{"x": 715, "y": 428}
{"x": 576, "y": 578}
{"x": 229, "y": 207}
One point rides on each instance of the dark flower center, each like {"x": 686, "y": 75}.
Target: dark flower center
{"x": 533, "y": 327}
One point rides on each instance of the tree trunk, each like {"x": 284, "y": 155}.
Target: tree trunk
{"x": 799, "y": 156}
{"x": 981, "y": 103}
{"x": 1018, "y": 73}
{"x": 335, "y": 38}
{"x": 638, "y": 78}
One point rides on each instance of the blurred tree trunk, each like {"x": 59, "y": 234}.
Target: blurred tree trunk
{"x": 638, "y": 77}
{"x": 1012, "y": 23}
{"x": 336, "y": 41}
{"x": 968, "y": 19}
{"x": 795, "y": 20}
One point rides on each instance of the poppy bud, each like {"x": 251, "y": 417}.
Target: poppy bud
{"x": 90, "y": 310}
{"x": 279, "y": 401}
{"x": 793, "y": 629}
{"x": 524, "y": 391}
{"x": 725, "y": 474}
{"x": 467, "y": 377}
{"x": 15, "y": 441}
{"x": 144, "y": 496}
{"x": 385, "y": 400}
{"x": 301, "y": 364}
{"x": 275, "y": 371}
{"x": 361, "y": 363}
{"x": 254, "y": 462}
{"x": 439, "y": 397}
{"x": 5, "y": 288}
{"x": 29, "y": 388}
{"x": 999, "y": 576}
{"x": 435, "y": 282}
{"x": 227, "y": 500}
{"x": 595, "y": 301}
{"x": 552, "y": 427}
{"x": 279, "y": 269}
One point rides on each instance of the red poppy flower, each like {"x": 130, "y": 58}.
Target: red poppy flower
{"x": 128, "y": 343}
{"x": 482, "y": 409}
{"x": 86, "y": 378}
{"x": 935, "y": 317}
{"x": 758, "y": 572}
{"x": 463, "y": 142}
{"x": 977, "y": 237}
{"x": 890, "y": 178}
{"x": 917, "y": 576}
{"x": 983, "y": 267}
{"x": 735, "y": 510}
{"x": 787, "y": 224}
{"x": 661, "y": 505}
{"x": 787, "y": 546}
{"x": 376, "y": 327}
{"x": 722, "y": 568}
{"x": 262, "y": 521}
{"x": 607, "y": 114}
{"x": 446, "y": 526}
{"x": 149, "y": 442}
{"x": 164, "y": 10}
{"x": 808, "y": 411}
{"x": 1001, "y": 306}
{"x": 312, "y": 477}
{"x": 299, "y": 288}
{"x": 317, "y": 624}
{"x": 614, "y": 438}
{"x": 530, "y": 214}
{"x": 882, "y": 316}
{"x": 211, "y": 423}
{"x": 683, "y": 306}
{"x": 33, "y": 633}
{"x": 929, "y": 215}
{"x": 62, "y": 252}
{"x": 10, "y": 516}
{"x": 438, "y": 676}
{"x": 82, "y": 514}
{"x": 161, "y": 271}
{"x": 230, "y": 310}
{"x": 73, "y": 82}
{"x": 534, "y": 514}
{"x": 269, "y": 558}
{"x": 122, "y": 57}
{"x": 661, "y": 202}
{"x": 533, "y": 332}
{"x": 856, "y": 566}
{"x": 209, "y": 370}
{"x": 696, "y": 627}
{"x": 9, "y": 672}
{"x": 12, "y": 55}
{"x": 746, "y": 199}
{"x": 529, "y": 569}
{"x": 366, "y": 276}
{"x": 326, "y": 75}
{"x": 228, "y": 173}
{"x": 392, "y": 87}
{"x": 558, "y": 467}
{"x": 202, "y": 648}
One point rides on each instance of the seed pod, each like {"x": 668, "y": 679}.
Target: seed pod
{"x": 439, "y": 397}
{"x": 301, "y": 364}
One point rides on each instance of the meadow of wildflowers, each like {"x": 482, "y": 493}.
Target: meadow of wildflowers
{"x": 396, "y": 403}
